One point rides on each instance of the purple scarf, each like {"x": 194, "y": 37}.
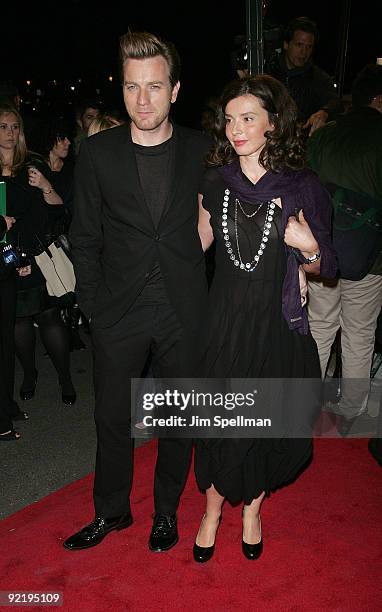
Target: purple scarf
{"x": 297, "y": 189}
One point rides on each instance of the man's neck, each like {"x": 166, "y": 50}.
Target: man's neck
{"x": 150, "y": 138}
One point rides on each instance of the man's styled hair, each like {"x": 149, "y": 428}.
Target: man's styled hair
{"x": 142, "y": 45}
{"x": 300, "y": 23}
{"x": 367, "y": 85}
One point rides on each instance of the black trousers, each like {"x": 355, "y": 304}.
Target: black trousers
{"x": 7, "y": 351}
{"x": 120, "y": 353}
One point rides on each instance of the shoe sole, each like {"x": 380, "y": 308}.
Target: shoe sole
{"x": 120, "y": 528}
{"x": 157, "y": 549}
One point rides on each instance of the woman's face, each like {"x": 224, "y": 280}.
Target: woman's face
{"x": 246, "y": 123}
{"x": 9, "y": 131}
{"x": 61, "y": 147}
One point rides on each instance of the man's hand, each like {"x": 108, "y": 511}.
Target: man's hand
{"x": 316, "y": 121}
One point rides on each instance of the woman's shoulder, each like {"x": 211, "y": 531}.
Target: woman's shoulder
{"x": 212, "y": 188}
{"x": 36, "y": 159}
{"x": 303, "y": 181}
{"x": 212, "y": 178}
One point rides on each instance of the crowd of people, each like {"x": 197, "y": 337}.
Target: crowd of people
{"x": 129, "y": 199}
{"x": 37, "y": 171}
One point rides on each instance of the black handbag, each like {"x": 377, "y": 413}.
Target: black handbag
{"x": 357, "y": 232}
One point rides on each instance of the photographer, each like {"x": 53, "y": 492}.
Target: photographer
{"x": 311, "y": 88}
{"x": 9, "y": 410}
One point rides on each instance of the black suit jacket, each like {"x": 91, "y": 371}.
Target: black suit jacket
{"x": 115, "y": 243}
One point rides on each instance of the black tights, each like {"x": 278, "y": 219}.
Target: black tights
{"x": 54, "y": 336}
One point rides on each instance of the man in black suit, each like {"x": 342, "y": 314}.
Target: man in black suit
{"x": 140, "y": 277}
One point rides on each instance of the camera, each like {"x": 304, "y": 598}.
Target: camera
{"x": 13, "y": 256}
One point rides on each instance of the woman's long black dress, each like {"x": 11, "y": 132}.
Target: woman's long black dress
{"x": 246, "y": 336}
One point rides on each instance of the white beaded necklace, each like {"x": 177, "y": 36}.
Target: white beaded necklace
{"x": 237, "y": 261}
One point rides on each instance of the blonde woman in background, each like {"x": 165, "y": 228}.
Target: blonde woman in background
{"x": 104, "y": 122}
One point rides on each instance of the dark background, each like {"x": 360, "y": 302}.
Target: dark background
{"x": 72, "y": 40}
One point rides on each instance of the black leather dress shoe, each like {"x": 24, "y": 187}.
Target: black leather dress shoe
{"x": 93, "y": 534}
{"x": 164, "y": 533}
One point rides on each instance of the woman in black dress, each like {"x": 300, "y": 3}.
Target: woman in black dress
{"x": 270, "y": 219}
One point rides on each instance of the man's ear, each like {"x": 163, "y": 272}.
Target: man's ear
{"x": 175, "y": 91}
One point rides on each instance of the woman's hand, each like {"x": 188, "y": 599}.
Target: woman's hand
{"x": 299, "y": 236}
{"x": 37, "y": 179}
{"x": 24, "y": 271}
{"x": 9, "y": 221}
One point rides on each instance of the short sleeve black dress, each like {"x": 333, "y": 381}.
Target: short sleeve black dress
{"x": 246, "y": 336}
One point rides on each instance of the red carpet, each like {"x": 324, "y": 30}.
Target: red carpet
{"x": 322, "y": 546}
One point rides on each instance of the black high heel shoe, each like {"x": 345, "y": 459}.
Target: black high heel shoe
{"x": 204, "y": 553}
{"x": 27, "y": 394}
{"x": 252, "y": 551}
{"x": 68, "y": 398}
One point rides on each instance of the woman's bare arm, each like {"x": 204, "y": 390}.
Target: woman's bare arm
{"x": 204, "y": 227}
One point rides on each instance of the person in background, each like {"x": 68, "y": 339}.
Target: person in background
{"x": 347, "y": 155}
{"x": 9, "y": 410}
{"x": 104, "y": 122}
{"x": 87, "y": 111}
{"x": 10, "y": 94}
{"x": 53, "y": 143}
{"x": 311, "y": 88}
{"x": 30, "y": 199}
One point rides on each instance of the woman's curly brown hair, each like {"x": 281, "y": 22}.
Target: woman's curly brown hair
{"x": 284, "y": 147}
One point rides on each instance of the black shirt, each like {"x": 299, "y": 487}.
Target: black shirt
{"x": 155, "y": 169}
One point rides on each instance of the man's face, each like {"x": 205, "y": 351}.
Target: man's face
{"x": 147, "y": 92}
{"x": 88, "y": 116}
{"x": 299, "y": 50}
